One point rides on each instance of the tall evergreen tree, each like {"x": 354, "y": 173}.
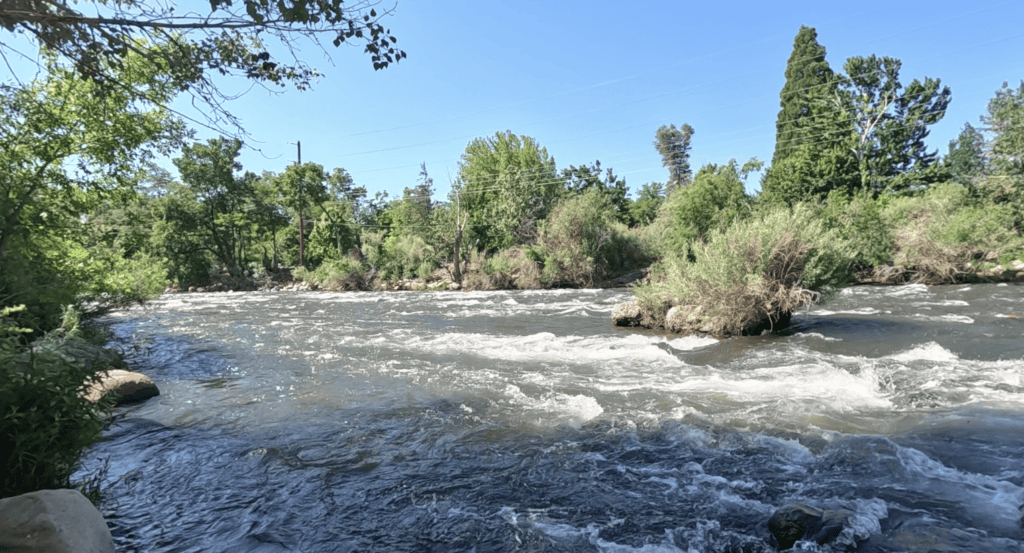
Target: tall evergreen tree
{"x": 811, "y": 157}
{"x": 674, "y": 146}
{"x": 809, "y": 83}
{"x": 966, "y": 157}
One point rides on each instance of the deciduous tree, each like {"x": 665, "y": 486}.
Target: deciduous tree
{"x": 507, "y": 183}
{"x": 301, "y": 187}
{"x": 890, "y": 122}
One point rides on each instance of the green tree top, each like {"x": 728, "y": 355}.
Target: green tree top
{"x": 809, "y": 80}
{"x": 506, "y": 183}
{"x": 890, "y": 122}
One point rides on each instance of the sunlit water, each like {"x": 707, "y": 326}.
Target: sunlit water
{"x": 523, "y": 421}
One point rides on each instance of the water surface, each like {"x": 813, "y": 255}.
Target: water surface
{"x": 523, "y": 421}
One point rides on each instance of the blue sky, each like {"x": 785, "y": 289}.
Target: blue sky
{"x": 593, "y": 81}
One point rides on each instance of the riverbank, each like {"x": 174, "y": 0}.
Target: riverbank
{"x": 282, "y": 280}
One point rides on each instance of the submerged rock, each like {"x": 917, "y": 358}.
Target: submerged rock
{"x": 53, "y": 521}
{"x": 796, "y": 522}
{"x": 130, "y": 387}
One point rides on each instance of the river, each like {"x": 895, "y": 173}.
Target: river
{"x": 524, "y": 421}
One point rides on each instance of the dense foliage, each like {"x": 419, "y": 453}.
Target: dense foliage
{"x": 45, "y": 422}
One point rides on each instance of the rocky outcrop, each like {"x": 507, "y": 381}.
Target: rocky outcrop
{"x": 129, "y": 387}
{"x": 796, "y": 522}
{"x": 53, "y": 521}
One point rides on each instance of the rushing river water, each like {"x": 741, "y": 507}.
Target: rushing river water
{"x": 523, "y": 421}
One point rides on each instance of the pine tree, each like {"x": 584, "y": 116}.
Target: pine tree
{"x": 674, "y": 146}
{"x": 804, "y": 97}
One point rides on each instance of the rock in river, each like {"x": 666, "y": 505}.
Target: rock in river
{"x": 53, "y": 521}
{"x": 130, "y": 387}
{"x": 796, "y": 522}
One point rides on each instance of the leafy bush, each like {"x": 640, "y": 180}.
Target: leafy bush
{"x": 749, "y": 276}
{"x": 940, "y": 234}
{"x": 45, "y": 422}
{"x": 582, "y": 241}
{"x": 712, "y": 201}
{"x": 408, "y": 256}
{"x": 335, "y": 274}
{"x": 513, "y": 268}
{"x": 858, "y": 221}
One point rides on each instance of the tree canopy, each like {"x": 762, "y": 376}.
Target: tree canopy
{"x": 890, "y": 122}
{"x": 507, "y": 183}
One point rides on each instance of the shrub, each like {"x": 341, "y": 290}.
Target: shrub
{"x": 582, "y": 241}
{"x": 858, "y": 221}
{"x": 511, "y": 268}
{"x": 45, "y": 422}
{"x": 712, "y": 201}
{"x": 748, "y": 277}
{"x": 407, "y": 255}
{"x": 335, "y": 274}
{"x": 939, "y": 235}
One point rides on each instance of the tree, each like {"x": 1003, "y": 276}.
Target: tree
{"x": 966, "y": 157}
{"x": 714, "y": 199}
{"x": 804, "y": 117}
{"x": 216, "y": 203}
{"x": 644, "y": 208}
{"x": 247, "y": 38}
{"x": 506, "y": 183}
{"x": 1005, "y": 152}
{"x": 300, "y": 188}
{"x": 889, "y": 122}
{"x": 60, "y": 137}
{"x": 811, "y": 156}
{"x": 578, "y": 180}
{"x": 674, "y": 146}
{"x": 808, "y": 174}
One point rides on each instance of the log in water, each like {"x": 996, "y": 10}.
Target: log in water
{"x": 523, "y": 421}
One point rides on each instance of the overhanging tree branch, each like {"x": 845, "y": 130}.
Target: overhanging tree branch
{"x": 245, "y": 38}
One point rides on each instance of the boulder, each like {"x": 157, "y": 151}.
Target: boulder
{"x": 53, "y": 521}
{"x": 797, "y": 522}
{"x": 130, "y": 387}
{"x": 626, "y": 314}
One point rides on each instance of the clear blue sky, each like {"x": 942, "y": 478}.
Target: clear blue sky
{"x": 593, "y": 81}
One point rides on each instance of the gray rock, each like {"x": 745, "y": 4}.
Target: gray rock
{"x": 130, "y": 387}
{"x": 796, "y": 522}
{"x": 53, "y": 521}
